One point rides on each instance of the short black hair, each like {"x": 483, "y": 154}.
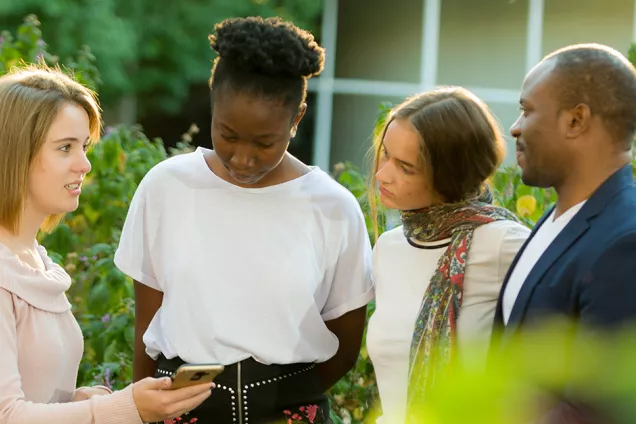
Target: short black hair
{"x": 601, "y": 78}
{"x": 268, "y": 57}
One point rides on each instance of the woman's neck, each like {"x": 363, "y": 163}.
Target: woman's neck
{"x": 24, "y": 239}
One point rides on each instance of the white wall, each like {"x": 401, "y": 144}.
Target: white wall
{"x": 482, "y": 45}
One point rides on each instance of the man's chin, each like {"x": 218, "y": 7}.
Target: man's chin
{"x": 533, "y": 180}
{"x": 528, "y": 179}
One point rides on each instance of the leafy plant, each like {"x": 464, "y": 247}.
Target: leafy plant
{"x": 153, "y": 51}
{"x": 28, "y": 47}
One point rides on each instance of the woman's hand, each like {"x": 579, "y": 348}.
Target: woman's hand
{"x": 156, "y": 402}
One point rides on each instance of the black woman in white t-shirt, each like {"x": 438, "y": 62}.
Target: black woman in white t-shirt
{"x": 243, "y": 255}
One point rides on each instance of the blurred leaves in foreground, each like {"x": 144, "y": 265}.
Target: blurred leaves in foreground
{"x": 540, "y": 368}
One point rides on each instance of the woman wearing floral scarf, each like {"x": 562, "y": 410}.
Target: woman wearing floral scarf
{"x": 438, "y": 275}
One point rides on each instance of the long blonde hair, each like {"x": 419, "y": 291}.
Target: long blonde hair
{"x": 30, "y": 99}
{"x": 461, "y": 143}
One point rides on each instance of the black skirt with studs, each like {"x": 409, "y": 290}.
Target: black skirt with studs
{"x": 249, "y": 392}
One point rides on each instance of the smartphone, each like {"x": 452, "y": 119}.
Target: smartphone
{"x": 192, "y": 374}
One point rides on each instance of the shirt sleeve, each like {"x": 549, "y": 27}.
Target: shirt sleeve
{"x": 133, "y": 256}
{"x": 351, "y": 283}
{"x": 15, "y": 409}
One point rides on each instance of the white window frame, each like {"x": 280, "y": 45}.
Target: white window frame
{"x": 327, "y": 84}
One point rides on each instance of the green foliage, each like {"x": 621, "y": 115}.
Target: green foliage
{"x": 144, "y": 48}
{"x": 28, "y": 47}
{"x": 523, "y": 383}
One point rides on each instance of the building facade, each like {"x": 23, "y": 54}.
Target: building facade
{"x": 379, "y": 50}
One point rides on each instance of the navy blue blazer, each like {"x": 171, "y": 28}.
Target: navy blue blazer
{"x": 588, "y": 273}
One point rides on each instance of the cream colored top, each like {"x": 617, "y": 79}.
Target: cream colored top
{"x": 402, "y": 271}
{"x": 41, "y": 347}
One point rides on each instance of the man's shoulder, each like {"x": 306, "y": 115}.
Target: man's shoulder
{"x": 625, "y": 198}
{"x": 614, "y": 225}
{"x": 619, "y": 216}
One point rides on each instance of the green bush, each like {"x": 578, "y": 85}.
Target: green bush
{"x": 27, "y": 46}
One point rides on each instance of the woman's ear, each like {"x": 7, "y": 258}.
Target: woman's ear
{"x": 297, "y": 119}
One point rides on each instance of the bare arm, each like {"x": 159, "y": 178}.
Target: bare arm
{"x": 349, "y": 329}
{"x": 147, "y": 303}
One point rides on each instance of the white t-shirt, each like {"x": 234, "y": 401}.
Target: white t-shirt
{"x": 245, "y": 272}
{"x": 544, "y": 236}
{"x": 402, "y": 272}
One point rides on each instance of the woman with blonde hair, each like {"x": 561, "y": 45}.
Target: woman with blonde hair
{"x": 438, "y": 275}
{"x": 48, "y": 122}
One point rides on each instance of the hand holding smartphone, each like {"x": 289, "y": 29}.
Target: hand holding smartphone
{"x": 192, "y": 374}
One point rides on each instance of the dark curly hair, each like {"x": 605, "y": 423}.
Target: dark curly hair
{"x": 269, "y": 57}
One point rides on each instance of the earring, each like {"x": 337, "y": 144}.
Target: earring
{"x": 293, "y": 133}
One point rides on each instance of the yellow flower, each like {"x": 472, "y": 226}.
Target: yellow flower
{"x": 526, "y": 205}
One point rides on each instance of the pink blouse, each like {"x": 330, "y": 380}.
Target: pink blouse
{"x": 41, "y": 346}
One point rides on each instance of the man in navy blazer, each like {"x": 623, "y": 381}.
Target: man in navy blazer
{"x": 575, "y": 134}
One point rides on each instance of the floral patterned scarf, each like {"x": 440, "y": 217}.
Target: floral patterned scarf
{"x": 433, "y": 344}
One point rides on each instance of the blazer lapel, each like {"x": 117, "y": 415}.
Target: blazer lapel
{"x": 499, "y": 321}
{"x": 572, "y": 231}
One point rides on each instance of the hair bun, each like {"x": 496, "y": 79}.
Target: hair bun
{"x": 269, "y": 46}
